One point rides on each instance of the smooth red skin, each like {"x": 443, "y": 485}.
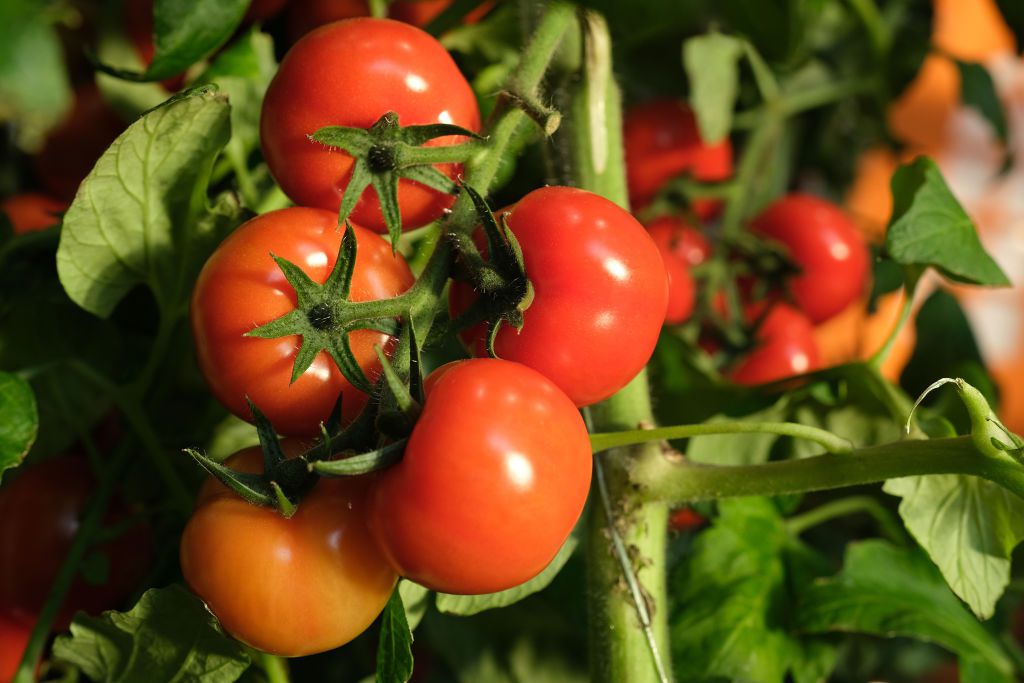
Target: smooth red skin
{"x": 827, "y": 246}
{"x": 40, "y": 513}
{"x": 598, "y": 281}
{"x": 350, "y": 73}
{"x": 31, "y": 211}
{"x": 493, "y": 480}
{"x": 785, "y": 348}
{"x": 661, "y": 142}
{"x": 14, "y": 635}
{"x": 681, "y": 248}
{"x": 72, "y": 148}
{"x": 241, "y": 288}
{"x": 685, "y": 519}
{"x": 290, "y": 587}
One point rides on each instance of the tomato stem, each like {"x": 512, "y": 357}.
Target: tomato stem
{"x": 829, "y": 441}
{"x": 887, "y": 523}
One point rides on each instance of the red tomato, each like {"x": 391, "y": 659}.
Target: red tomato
{"x": 422, "y": 12}
{"x": 685, "y": 519}
{"x": 827, "y": 246}
{"x": 494, "y": 477}
{"x": 662, "y": 142}
{"x": 785, "y": 348}
{"x": 32, "y": 211}
{"x": 71, "y": 149}
{"x": 303, "y": 17}
{"x": 241, "y": 288}
{"x": 598, "y": 280}
{"x": 290, "y": 587}
{"x": 374, "y": 66}
{"x": 14, "y": 635}
{"x": 681, "y": 247}
{"x": 40, "y": 512}
{"x": 261, "y": 10}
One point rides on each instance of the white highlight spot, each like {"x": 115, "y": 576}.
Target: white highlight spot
{"x": 415, "y": 83}
{"x": 840, "y": 251}
{"x": 616, "y": 268}
{"x": 519, "y": 470}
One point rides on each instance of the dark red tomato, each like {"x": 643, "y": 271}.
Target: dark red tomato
{"x": 138, "y": 25}
{"x": 598, "y": 280}
{"x": 826, "y": 245}
{"x": 303, "y": 17}
{"x": 71, "y": 149}
{"x": 14, "y": 635}
{"x": 494, "y": 477}
{"x": 261, "y": 10}
{"x": 40, "y": 512}
{"x": 422, "y": 12}
{"x": 350, "y": 73}
{"x": 662, "y": 142}
{"x": 241, "y": 288}
{"x": 685, "y": 519}
{"x": 682, "y": 248}
{"x": 290, "y": 587}
{"x": 785, "y": 347}
{"x": 32, "y": 211}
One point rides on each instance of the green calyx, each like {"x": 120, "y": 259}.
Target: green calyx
{"x": 387, "y": 152}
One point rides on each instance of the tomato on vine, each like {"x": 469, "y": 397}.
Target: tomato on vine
{"x": 682, "y": 248}
{"x": 661, "y": 142}
{"x": 494, "y": 477}
{"x": 241, "y": 287}
{"x": 824, "y": 242}
{"x": 785, "y": 347}
{"x": 41, "y": 510}
{"x": 288, "y": 586}
{"x": 350, "y": 73}
{"x": 597, "y": 279}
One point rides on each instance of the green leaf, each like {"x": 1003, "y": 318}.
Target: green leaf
{"x": 473, "y": 604}
{"x": 732, "y": 597}
{"x": 394, "y": 649}
{"x": 34, "y": 90}
{"x": 185, "y": 31}
{"x": 978, "y": 91}
{"x": 712, "y": 65}
{"x": 138, "y": 214}
{"x": 888, "y": 591}
{"x": 19, "y": 420}
{"x": 929, "y": 228}
{"x": 415, "y": 599}
{"x": 969, "y": 527}
{"x": 169, "y": 635}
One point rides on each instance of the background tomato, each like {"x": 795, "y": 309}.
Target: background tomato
{"x": 826, "y": 245}
{"x": 40, "y": 513}
{"x": 241, "y": 288}
{"x": 290, "y": 587}
{"x": 71, "y": 149}
{"x": 598, "y": 279}
{"x": 32, "y": 211}
{"x": 14, "y": 635}
{"x": 785, "y": 347}
{"x": 662, "y": 142}
{"x": 494, "y": 477}
{"x": 681, "y": 247}
{"x": 351, "y": 73}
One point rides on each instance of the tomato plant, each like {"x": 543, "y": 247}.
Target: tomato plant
{"x": 478, "y": 462}
{"x": 226, "y": 306}
{"x": 321, "y": 582}
{"x": 384, "y": 66}
{"x": 596, "y": 274}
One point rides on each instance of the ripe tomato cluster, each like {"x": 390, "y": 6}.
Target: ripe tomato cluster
{"x": 829, "y": 260}
{"x": 496, "y": 470}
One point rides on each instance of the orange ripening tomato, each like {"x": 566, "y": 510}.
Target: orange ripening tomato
{"x": 376, "y": 66}
{"x": 241, "y": 287}
{"x": 291, "y": 587}
{"x": 857, "y": 334}
{"x": 31, "y": 211}
{"x": 661, "y": 142}
{"x": 494, "y": 477}
{"x": 40, "y": 513}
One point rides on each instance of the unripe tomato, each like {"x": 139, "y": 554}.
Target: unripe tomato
{"x": 681, "y": 247}
{"x": 598, "y": 280}
{"x": 72, "y": 148}
{"x": 662, "y": 141}
{"x": 494, "y": 477}
{"x": 241, "y": 288}
{"x": 350, "y": 73}
{"x": 826, "y": 245}
{"x": 32, "y": 211}
{"x": 41, "y": 510}
{"x": 786, "y": 347}
{"x": 290, "y": 587}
